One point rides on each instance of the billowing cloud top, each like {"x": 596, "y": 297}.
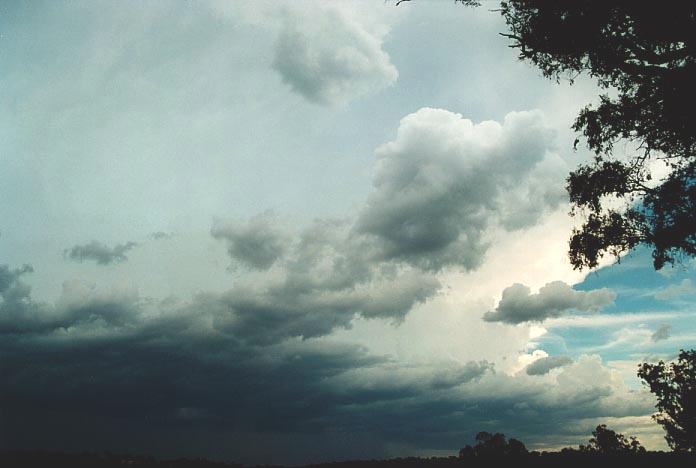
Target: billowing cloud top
{"x": 444, "y": 181}
{"x": 438, "y": 190}
{"x": 554, "y": 299}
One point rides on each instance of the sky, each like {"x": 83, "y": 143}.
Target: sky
{"x": 304, "y": 231}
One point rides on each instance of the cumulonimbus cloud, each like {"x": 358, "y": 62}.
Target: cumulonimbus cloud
{"x": 258, "y": 356}
{"x": 439, "y": 188}
{"x": 555, "y": 299}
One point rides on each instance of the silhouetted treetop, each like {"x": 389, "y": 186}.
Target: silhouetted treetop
{"x": 674, "y": 385}
{"x": 493, "y": 444}
{"x": 645, "y": 54}
{"x": 607, "y": 442}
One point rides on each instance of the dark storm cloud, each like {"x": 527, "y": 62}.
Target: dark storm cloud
{"x": 546, "y": 364}
{"x": 325, "y": 278}
{"x": 554, "y": 299}
{"x": 116, "y": 371}
{"x": 444, "y": 181}
{"x": 99, "y": 252}
{"x": 79, "y": 304}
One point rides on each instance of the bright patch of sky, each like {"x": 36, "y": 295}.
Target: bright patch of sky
{"x": 650, "y": 319}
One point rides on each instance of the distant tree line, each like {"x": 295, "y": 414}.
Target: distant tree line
{"x": 604, "y": 441}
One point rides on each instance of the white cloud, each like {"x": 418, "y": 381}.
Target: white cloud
{"x": 545, "y": 364}
{"x": 553, "y": 300}
{"x": 673, "y": 291}
{"x": 445, "y": 181}
{"x": 610, "y": 320}
{"x": 329, "y": 54}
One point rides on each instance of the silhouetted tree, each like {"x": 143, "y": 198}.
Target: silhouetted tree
{"x": 646, "y": 54}
{"x": 674, "y": 385}
{"x": 608, "y": 442}
{"x": 490, "y": 444}
{"x": 516, "y": 448}
{"x": 496, "y": 444}
{"x": 466, "y": 452}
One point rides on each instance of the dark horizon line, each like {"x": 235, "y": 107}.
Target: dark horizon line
{"x": 52, "y": 458}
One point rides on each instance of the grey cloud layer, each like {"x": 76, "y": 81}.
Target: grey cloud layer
{"x": 164, "y": 369}
{"x": 554, "y": 299}
{"x": 332, "y": 57}
{"x": 321, "y": 279}
{"x": 546, "y": 364}
{"x": 99, "y": 252}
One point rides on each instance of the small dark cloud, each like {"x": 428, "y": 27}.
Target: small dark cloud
{"x": 662, "y": 333}
{"x": 555, "y": 299}
{"x": 100, "y": 253}
{"x": 257, "y": 243}
{"x": 10, "y": 277}
{"x": 546, "y": 364}
{"x": 162, "y": 235}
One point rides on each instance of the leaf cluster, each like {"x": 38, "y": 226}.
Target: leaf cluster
{"x": 644, "y": 55}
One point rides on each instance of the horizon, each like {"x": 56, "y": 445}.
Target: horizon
{"x": 302, "y": 232}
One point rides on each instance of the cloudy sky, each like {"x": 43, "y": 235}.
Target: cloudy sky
{"x": 295, "y": 232}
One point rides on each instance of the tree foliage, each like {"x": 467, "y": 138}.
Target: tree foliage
{"x": 644, "y": 55}
{"x": 607, "y": 442}
{"x": 674, "y": 385}
{"x": 493, "y": 444}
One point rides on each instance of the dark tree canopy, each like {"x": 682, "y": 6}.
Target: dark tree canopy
{"x": 493, "y": 445}
{"x": 644, "y": 54}
{"x": 674, "y": 385}
{"x": 607, "y": 442}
